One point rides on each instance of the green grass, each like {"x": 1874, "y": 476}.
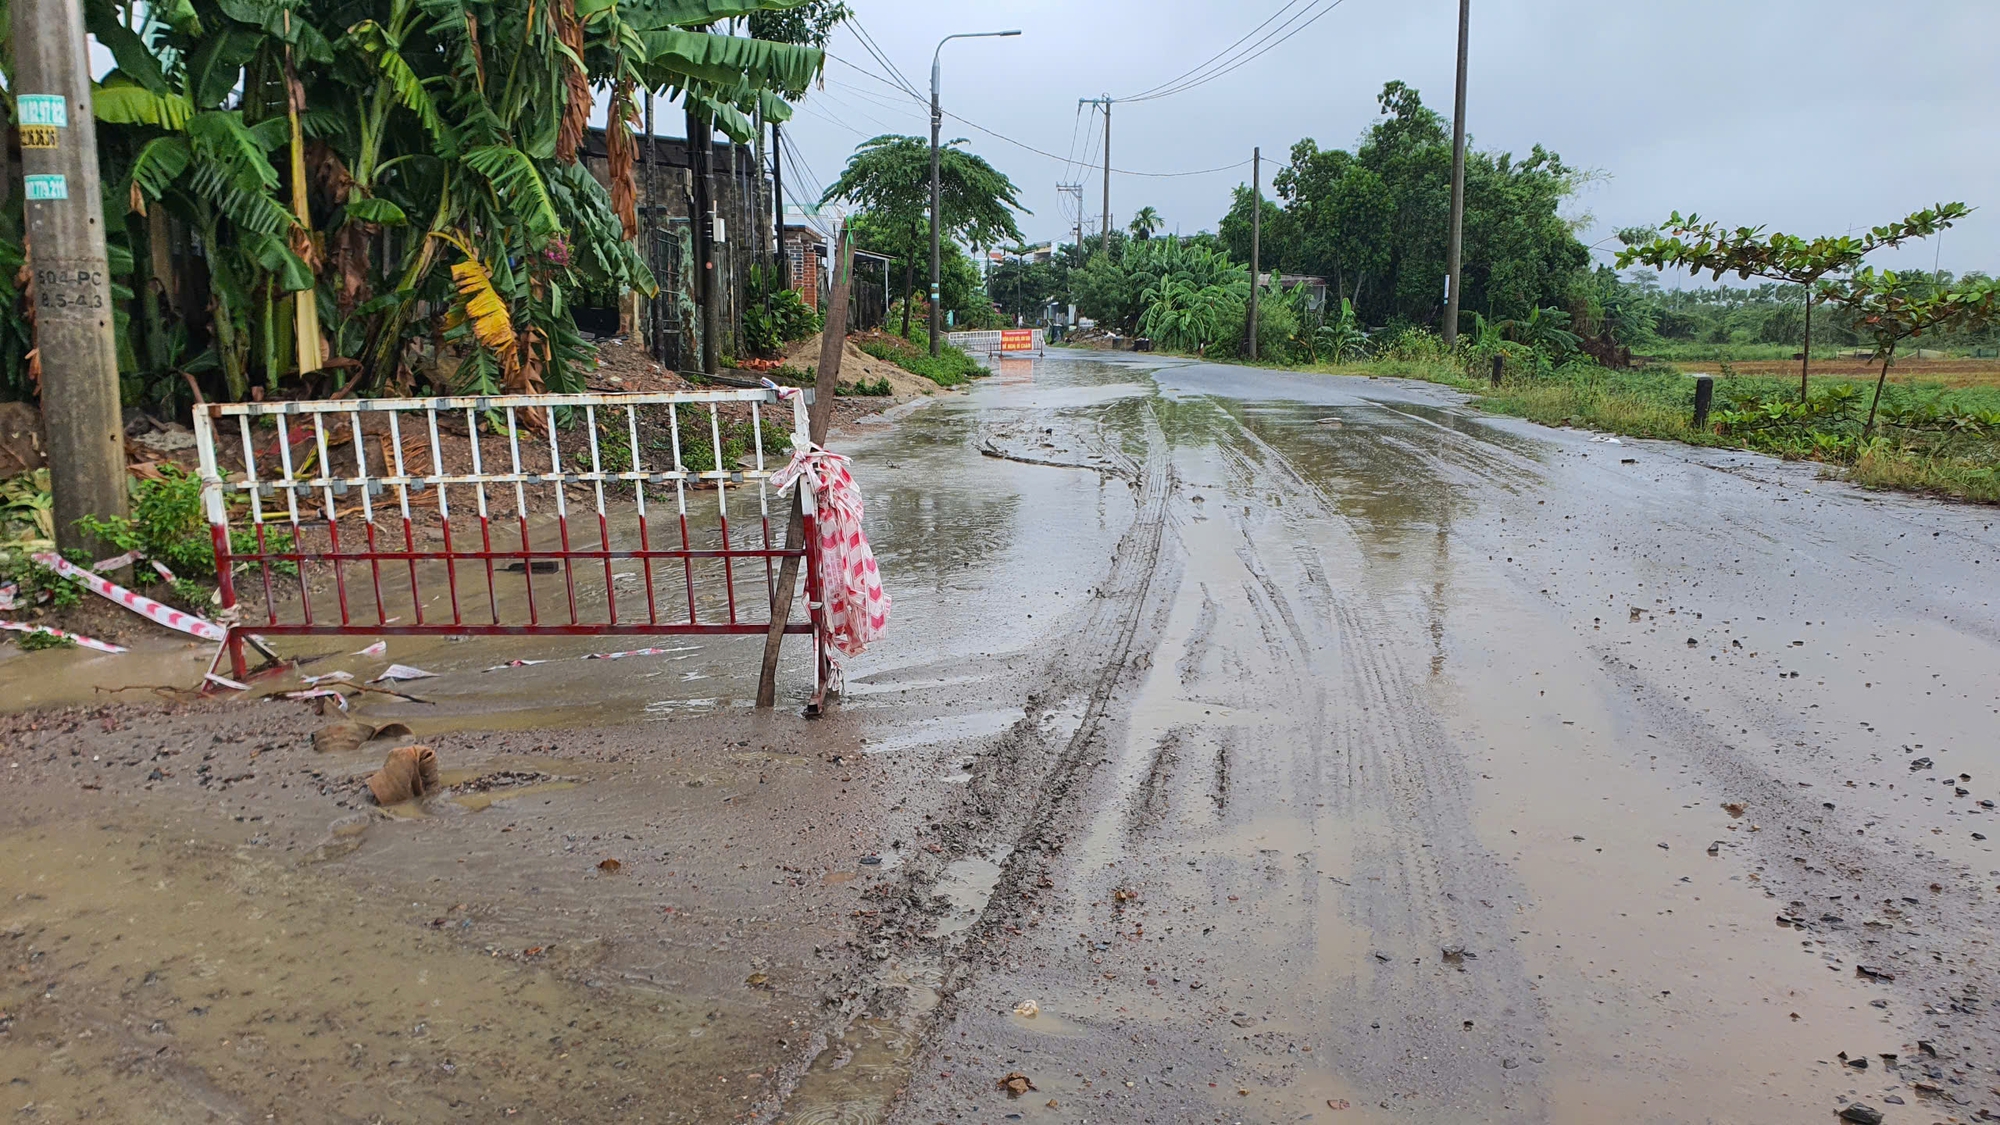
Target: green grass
{"x": 1929, "y": 438}
{"x": 1688, "y": 351}
{"x": 951, "y": 367}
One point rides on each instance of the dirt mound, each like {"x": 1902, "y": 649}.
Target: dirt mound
{"x": 857, "y": 366}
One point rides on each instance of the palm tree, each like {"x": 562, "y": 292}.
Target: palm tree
{"x": 1145, "y": 223}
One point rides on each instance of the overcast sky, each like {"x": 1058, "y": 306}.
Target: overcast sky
{"x": 1809, "y": 116}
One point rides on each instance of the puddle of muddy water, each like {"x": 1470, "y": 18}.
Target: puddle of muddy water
{"x": 858, "y": 1075}
{"x": 950, "y": 728}
{"x": 161, "y": 978}
{"x": 966, "y": 884}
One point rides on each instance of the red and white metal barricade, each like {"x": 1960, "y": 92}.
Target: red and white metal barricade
{"x": 999, "y": 342}
{"x": 336, "y": 519}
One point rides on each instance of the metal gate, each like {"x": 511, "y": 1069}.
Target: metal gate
{"x": 351, "y": 517}
{"x": 667, "y": 319}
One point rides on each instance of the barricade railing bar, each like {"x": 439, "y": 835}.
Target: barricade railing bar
{"x": 994, "y": 342}
{"x": 342, "y": 510}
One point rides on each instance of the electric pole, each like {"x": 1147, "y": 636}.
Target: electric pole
{"x": 73, "y": 307}
{"x": 1075, "y": 192}
{"x": 1452, "y": 280}
{"x": 937, "y": 237}
{"x": 1256, "y": 239}
{"x": 1104, "y": 103}
{"x": 784, "y": 261}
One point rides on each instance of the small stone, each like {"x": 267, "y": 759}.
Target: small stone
{"x": 1862, "y": 1114}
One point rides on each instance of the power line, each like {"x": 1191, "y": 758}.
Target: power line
{"x": 1145, "y": 94}
{"x": 1270, "y": 42}
{"x": 1069, "y": 166}
{"x": 1067, "y": 161}
{"x": 881, "y": 56}
{"x": 1118, "y": 171}
{"x": 892, "y": 84}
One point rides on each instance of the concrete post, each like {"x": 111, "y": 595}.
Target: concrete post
{"x": 73, "y": 307}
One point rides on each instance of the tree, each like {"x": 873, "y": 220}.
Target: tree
{"x": 1708, "y": 247}
{"x": 1373, "y": 221}
{"x": 1145, "y": 223}
{"x": 889, "y": 176}
{"x": 1280, "y": 239}
{"x": 1891, "y": 308}
{"x": 392, "y": 171}
{"x": 1023, "y": 287}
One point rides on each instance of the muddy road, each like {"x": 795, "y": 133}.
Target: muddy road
{"x": 1248, "y": 747}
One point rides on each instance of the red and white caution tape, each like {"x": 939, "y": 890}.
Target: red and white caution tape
{"x": 376, "y": 649}
{"x": 160, "y": 569}
{"x": 623, "y": 655}
{"x": 319, "y": 693}
{"x": 118, "y": 563}
{"x": 74, "y": 638}
{"x": 225, "y": 681}
{"x": 137, "y": 603}
{"x": 10, "y": 593}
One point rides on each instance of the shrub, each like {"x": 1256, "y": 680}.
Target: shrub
{"x": 774, "y": 316}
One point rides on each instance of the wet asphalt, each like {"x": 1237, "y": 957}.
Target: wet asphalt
{"x": 1247, "y": 746}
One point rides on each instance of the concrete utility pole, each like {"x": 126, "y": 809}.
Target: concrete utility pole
{"x": 1452, "y": 279}
{"x": 937, "y": 241}
{"x": 1104, "y": 103}
{"x": 65, "y": 221}
{"x": 1075, "y": 192}
{"x": 1256, "y": 238}
{"x": 701, "y": 158}
{"x": 778, "y": 206}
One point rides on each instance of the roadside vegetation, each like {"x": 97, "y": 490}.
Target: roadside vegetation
{"x": 951, "y": 367}
{"x": 1901, "y": 388}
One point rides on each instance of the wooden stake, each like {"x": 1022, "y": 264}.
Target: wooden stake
{"x": 832, "y": 345}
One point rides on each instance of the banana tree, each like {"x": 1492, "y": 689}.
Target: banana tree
{"x": 209, "y": 165}
{"x": 499, "y": 150}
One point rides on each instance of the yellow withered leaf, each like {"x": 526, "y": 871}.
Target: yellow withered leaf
{"x": 491, "y": 324}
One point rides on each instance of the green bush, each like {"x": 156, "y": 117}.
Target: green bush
{"x": 951, "y": 367}
{"x": 168, "y": 525}
{"x": 774, "y": 316}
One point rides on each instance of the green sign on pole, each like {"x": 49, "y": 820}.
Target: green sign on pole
{"x": 43, "y": 109}
{"x": 46, "y": 187}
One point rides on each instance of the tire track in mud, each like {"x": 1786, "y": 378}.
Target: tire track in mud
{"x": 1089, "y": 672}
{"x": 1322, "y": 761}
{"x": 1423, "y": 870}
{"x": 1106, "y": 643}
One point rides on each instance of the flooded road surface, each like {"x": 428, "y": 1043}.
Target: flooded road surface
{"x": 1247, "y": 747}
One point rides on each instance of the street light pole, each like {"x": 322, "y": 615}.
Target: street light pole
{"x": 937, "y": 241}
